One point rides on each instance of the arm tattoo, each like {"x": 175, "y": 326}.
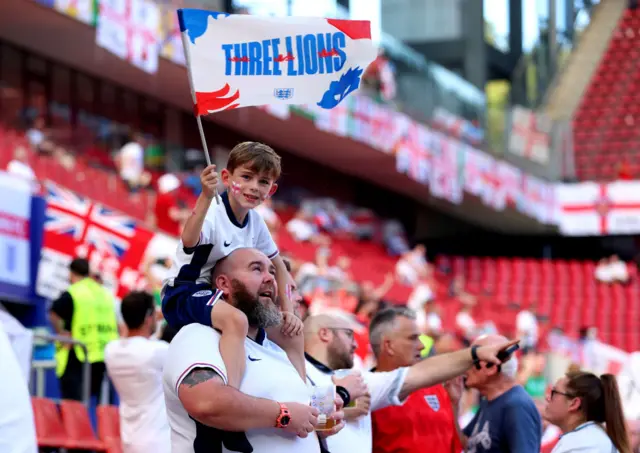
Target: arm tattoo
{"x": 198, "y": 376}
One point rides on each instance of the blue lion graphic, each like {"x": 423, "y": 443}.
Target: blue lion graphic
{"x": 340, "y": 89}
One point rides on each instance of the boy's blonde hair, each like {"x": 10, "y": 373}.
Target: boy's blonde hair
{"x": 257, "y": 157}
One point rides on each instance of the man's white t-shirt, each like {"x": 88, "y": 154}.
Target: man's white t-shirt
{"x": 586, "y": 438}
{"x": 527, "y": 324}
{"x": 269, "y": 375}
{"x": 465, "y": 322}
{"x": 618, "y": 271}
{"x": 135, "y": 366}
{"x": 603, "y": 273}
{"x": 357, "y": 435}
{"x": 131, "y": 161}
{"x": 222, "y": 234}
{"x": 300, "y": 229}
{"x": 21, "y": 169}
{"x": 17, "y": 427}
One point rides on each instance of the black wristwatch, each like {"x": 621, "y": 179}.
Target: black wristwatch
{"x": 344, "y": 394}
{"x": 474, "y": 356}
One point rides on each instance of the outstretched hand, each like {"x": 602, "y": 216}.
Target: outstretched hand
{"x": 489, "y": 353}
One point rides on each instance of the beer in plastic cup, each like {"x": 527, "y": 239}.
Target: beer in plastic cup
{"x": 323, "y": 399}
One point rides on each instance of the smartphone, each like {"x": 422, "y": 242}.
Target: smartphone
{"x": 505, "y": 354}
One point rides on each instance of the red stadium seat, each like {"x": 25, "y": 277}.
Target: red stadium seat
{"x": 606, "y": 122}
{"x": 77, "y": 424}
{"x": 109, "y": 427}
{"x": 49, "y": 428}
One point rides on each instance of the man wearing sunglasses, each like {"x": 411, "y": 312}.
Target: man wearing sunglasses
{"x": 507, "y": 420}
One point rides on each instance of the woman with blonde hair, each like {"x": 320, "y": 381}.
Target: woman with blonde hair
{"x": 588, "y": 411}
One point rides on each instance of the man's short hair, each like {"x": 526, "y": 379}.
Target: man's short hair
{"x": 383, "y": 321}
{"x": 80, "y": 266}
{"x": 257, "y": 157}
{"x": 135, "y": 308}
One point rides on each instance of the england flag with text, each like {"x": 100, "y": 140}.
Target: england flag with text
{"x": 241, "y": 60}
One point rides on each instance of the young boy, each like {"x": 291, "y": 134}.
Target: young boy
{"x": 211, "y": 233}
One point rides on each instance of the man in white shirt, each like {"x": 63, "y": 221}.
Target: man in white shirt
{"x": 330, "y": 345}
{"x": 270, "y": 412}
{"x": 17, "y": 428}
{"x": 527, "y": 330}
{"x": 135, "y": 365}
{"x": 131, "y": 162}
{"x": 19, "y": 166}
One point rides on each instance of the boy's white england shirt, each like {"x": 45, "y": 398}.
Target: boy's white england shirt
{"x": 269, "y": 375}
{"x": 222, "y": 234}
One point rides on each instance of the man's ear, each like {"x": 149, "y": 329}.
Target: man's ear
{"x": 225, "y": 177}
{"x": 324, "y": 334}
{"x": 223, "y": 283}
{"x": 387, "y": 346}
{"x": 274, "y": 187}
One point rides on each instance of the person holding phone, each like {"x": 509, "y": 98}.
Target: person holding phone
{"x": 507, "y": 420}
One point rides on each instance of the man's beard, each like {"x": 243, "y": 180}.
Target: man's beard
{"x": 258, "y": 314}
{"x": 339, "y": 360}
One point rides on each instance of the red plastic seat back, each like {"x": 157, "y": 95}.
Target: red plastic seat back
{"x": 47, "y": 419}
{"x": 75, "y": 419}
{"x": 108, "y": 422}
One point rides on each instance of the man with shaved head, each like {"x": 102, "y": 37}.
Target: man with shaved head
{"x": 508, "y": 420}
{"x": 329, "y": 346}
{"x": 270, "y": 411}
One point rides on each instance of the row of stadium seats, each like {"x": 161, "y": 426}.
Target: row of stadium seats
{"x": 68, "y": 426}
{"x": 86, "y": 177}
{"x": 607, "y": 123}
{"x": 565, "y": 292}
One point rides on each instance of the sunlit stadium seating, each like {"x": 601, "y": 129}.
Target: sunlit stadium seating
{"x": 607, "y": 122}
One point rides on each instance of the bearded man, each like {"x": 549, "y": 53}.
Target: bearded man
{"x": 270, "y": 412}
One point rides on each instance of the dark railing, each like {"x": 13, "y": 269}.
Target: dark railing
{"x": 40, "y": 366}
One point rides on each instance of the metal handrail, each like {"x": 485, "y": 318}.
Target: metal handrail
{"x": 86, "y": 366}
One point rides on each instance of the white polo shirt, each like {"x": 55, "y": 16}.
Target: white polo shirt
{"x": 269, "y": 375}
{"x": 586, "y": 438}
{"x": 135, "y": 366}
{"x": 222, "y": 234}
{"x": 384, "y": 387}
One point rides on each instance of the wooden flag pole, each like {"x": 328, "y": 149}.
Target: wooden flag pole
{"x": 205, "y": 149}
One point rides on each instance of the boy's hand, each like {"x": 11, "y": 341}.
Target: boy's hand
{"x": 291, "y": 324}
{"x": 209, "y": 181}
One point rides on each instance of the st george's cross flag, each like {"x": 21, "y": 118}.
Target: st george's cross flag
{"x": 239, "y": 60}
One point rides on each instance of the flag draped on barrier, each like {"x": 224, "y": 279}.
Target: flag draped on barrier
{"x": 241, "y": 60}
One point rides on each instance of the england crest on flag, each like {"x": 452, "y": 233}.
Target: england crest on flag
{"x": 433, "y": 402}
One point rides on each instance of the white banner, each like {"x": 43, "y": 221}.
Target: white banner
{"x": 15, "y": 212}
{"x": 130, "y": 29}
{"x": 595, "y": 209}
{"x": 237, "y": 60}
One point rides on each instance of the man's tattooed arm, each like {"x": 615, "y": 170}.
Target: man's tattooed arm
{"x": 198, "y": 376}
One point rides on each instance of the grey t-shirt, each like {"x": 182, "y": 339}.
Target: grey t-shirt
{"x": 508, "y": 424}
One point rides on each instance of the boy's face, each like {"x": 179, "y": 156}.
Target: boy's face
{"x": 248, "y": 188}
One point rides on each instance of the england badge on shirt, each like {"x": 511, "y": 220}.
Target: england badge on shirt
{"x": 433, "y": 402}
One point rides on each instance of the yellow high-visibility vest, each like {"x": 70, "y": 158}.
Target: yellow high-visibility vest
{"x": 94, "y": 323}
{"x": 427, "y": 342}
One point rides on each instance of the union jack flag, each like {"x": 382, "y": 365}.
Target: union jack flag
{"x": 90, "y": 223}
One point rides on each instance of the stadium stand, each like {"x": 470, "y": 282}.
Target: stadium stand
{"x": 606, "y": 122}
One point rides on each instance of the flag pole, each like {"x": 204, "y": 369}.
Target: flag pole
{"x": 205, "y": 149}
